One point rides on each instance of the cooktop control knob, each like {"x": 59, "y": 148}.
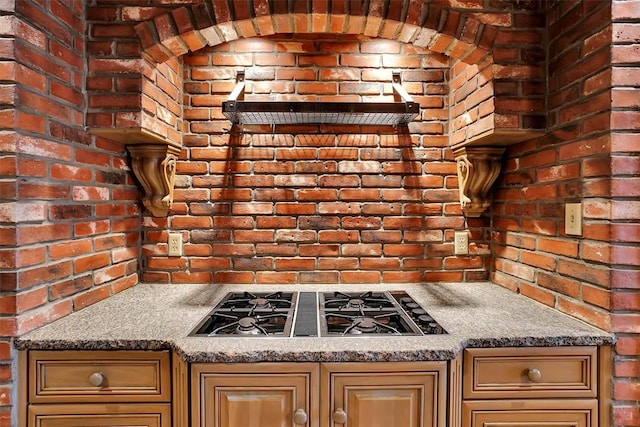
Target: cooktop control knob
{"x": 425, "y": 318}
{"x": 418, "y": 312}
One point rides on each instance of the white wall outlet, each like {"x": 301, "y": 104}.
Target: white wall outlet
{"x": 573, "y": 219}
{"x": 175, "y": 244}
{"x": 461, "y": 243}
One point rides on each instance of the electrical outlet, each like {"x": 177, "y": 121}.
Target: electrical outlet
{"x": 461, "y": 243}
{"x": 175, "y": 244}
{"x": 573, "y": 219}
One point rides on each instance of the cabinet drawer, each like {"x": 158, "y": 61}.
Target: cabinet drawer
{"x": 531, "y": 413}
{"x": 96, "y": 415}
{"x": 99, "y": 376}
{"x": 530, "y": 372}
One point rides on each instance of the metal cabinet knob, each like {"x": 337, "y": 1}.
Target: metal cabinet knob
{"x": 339, "y": 416}
{"x": 534, "y": 374}
{"x": 300, "y": 417}
{"x": 96, "y": 379}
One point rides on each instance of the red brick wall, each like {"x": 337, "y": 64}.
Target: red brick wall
{"x": 569, "y": 164}
{"x": 8, "y": 183}
{"x": 472, "y": 100}
{"x": 580, "y": 159}
{"x": 625, "y": 208}
{"x": 69, "y": 215}
{"x": 330, "y": 204}
{"x": 589, "y": 155}
{"x": 125, "y": 90}
{"x": 162, "y": 93}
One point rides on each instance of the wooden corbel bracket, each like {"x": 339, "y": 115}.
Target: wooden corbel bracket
{"x": 479, "y": 161}
{"x": 155, "y": 168}
{"x": 478, "y": 168}
{"x": 153, "y": 161}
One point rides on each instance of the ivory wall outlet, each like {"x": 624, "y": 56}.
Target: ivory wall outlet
{"x": 573, "y": 219}
{"x": 175, "y": 244}
{"x": 461, "y": 243}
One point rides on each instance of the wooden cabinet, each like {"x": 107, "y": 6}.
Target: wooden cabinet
{"x": 254, "y": 395}
{"x": 98, "y": 388}
{"x": 531, "y": 387}
{"x": 485, "y": 387}
{"x": 309, "y": 394}
{"x": 384, "y": 394}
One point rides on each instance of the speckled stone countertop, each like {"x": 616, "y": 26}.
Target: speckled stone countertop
{"x": 154, "y": 317}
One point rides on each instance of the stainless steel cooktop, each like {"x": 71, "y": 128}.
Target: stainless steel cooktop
{"x": 312, "y": 314}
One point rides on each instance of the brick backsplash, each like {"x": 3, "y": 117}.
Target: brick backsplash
{"x": 309, "y": 203}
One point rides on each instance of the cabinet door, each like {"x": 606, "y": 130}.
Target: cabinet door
{"x": 95, "y": 415}
{"x": 530, "y": 413}
{"x": 267, "y": 395}
{"x": 384, "y": 395}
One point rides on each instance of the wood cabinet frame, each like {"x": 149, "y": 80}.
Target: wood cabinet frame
{"x": 55, "y": 388}
{"x": 585, "y": 400}
{"x": 557, "y": 386}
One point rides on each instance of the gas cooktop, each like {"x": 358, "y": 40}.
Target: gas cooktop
{"x": 312, "y": 314}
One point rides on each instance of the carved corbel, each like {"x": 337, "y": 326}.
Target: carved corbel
{"x": 155, "y": 167}
{"x": 478, "y": 168}
{"x": 153, "y": 160}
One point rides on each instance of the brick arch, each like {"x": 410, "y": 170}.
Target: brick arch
{"x": 494, "y": 93}
{"x": 190, "y": 28}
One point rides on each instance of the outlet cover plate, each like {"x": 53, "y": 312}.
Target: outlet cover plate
{"x": 573, "y": 219}
{"x": 461, "y": 243}
{"x": 175, "y": 244}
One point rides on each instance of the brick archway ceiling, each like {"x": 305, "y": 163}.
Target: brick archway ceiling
{"x": 190, "y": 28}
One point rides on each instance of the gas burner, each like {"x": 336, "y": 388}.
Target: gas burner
{"x": 355, "y": 303}
{"x": 341, "y": 300}
{"x": 368, "y": 325}
{"x": 390, "y": 322}
{"x": 275, "y": 300}
{"x": 362, "y": 325}
{"x": 249, "y": 326}
{"x": 260, "y": 302}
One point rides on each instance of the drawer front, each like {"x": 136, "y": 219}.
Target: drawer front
{"x": 530, "y": 372}
{"x": 95, "y": 415}
{"x": 88, "y": 376}
{"x": 531, "y": 413}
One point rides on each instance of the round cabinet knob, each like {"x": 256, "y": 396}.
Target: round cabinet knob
{"x": 300, "y": 417}
{"x": 96, "y": 379}
{"x": 534, "y": 374}
{"x": 339, "y": 416}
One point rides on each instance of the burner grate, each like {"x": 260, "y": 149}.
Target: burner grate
{"x": 374, "y": 313}
{"x": 250, "y": 314}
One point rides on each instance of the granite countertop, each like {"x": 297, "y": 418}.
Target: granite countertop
{"x": 156, "y": 317}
